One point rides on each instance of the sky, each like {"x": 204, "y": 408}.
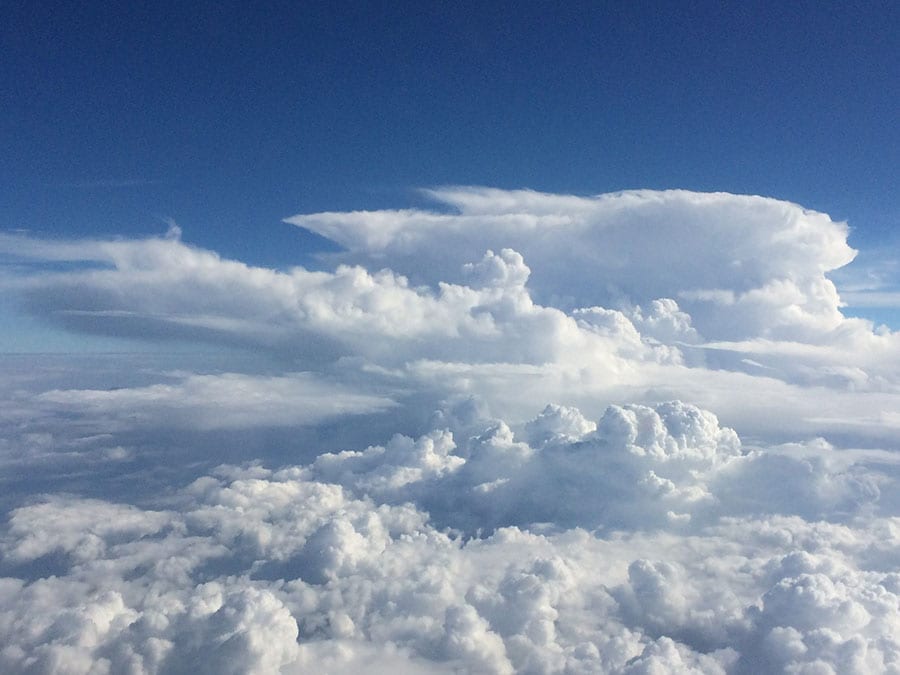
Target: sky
{"x": 228, "y": 118}
{"x": 449, "y": 339}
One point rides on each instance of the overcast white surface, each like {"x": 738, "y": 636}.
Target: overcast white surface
{"x": 522, "y": 432}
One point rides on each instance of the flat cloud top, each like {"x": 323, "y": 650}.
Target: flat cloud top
{"x": 707, "y": 249}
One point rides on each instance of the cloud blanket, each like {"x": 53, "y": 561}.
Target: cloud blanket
{"x": 516, "y": 433}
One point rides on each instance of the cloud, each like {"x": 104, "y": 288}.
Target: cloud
{"x": 603, "y": 289}
{"x": 487, "y": 327}
{"x": 269, "y": 569}
{"x": 520, "y": 432}
{"x": 635, "y": 467}
{"x": 768, "y": 257}
{"x": 161, "y": 288}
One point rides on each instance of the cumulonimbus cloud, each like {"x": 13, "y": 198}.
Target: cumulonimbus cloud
{"x": 503, "y": 435}
{"x": 732, "y": 288}
{"x": 759, "y": 262}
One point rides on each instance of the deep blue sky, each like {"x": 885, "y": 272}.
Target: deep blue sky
{"x": 228, "y": 117}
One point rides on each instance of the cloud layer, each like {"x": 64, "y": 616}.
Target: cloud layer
{"x": 650, "y": 539}
{"x": 504, "y": 435}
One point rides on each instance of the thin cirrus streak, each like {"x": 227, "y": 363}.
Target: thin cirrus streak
{"x": 522, "y": 432}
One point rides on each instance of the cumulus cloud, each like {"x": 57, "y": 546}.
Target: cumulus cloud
{"x": 503, "y": 435}
{"x": 254, "y": 569}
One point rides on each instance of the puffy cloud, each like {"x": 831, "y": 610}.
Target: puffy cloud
{"x": 636, "y": 466}
{"x": 246, "y": 630}
{"x": 633, "y": 297}
{"x": 79, "y": 528}
{"x": 162, "y": 288}
{"x": 501, "y": 437}
{"x": 744, "y": 265}
{"x": 252, "y": 569}
{"x": 557, "y": 424}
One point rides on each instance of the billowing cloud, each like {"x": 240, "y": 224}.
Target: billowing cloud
{"x": 759, "y": 262}
{"x": 642, "y": 541}
{"x": 520, "y": 432}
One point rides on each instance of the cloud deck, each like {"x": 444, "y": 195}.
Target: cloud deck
{"x": 521, "y": 432}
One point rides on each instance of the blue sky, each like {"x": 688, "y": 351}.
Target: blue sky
{"x": 228, "y": 118}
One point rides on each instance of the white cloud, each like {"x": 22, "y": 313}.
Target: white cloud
{"x": 600, "y": 288}
{"x": 268, "y": 570}
{"x": 497, "y": 437}
{"x": 632, "y": 246}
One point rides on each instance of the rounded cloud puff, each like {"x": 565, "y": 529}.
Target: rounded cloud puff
{"x": 592, "y": 547}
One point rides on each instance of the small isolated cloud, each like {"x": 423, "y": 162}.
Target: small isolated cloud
{"x": 522, "y": 432}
